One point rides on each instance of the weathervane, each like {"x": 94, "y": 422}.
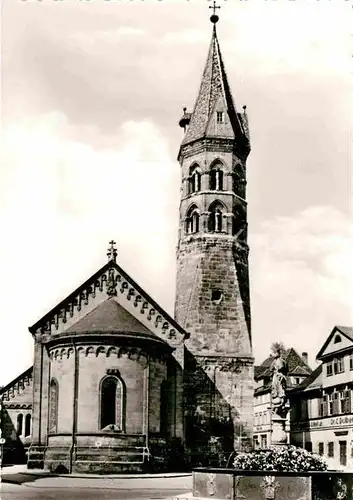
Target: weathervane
{"x": 214, "y": 18}
{"x": 112, "y": 251}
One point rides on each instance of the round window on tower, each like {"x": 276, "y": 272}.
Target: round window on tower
{"x": 217, "y": 296}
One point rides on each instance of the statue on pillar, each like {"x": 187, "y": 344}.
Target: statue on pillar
{"x": 279, "y": 400}
{"x": 279, "y": 371}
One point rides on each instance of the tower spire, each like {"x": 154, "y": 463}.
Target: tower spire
{"x": 214, "y": 114}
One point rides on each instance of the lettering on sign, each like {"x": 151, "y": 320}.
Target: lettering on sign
{"x": 341, "y": 421}
{"x": 316, "y": 423}
{"x": 332, "y": 422}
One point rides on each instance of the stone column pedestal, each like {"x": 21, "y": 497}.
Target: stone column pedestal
{"x": 279, "y": 435}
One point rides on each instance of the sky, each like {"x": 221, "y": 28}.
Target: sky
{"x": 91, "y": 95}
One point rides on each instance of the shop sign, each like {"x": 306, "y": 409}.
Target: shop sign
{"x": 332, "y": 422}
{"x": 341, "y": 420}
{"x": 315, "y": 424}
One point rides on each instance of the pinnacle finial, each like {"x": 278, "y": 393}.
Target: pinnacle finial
{"x": 112, "y": 251}
{"x": 214, "y": 18}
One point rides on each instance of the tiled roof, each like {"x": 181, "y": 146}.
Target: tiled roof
{"x": 214, "y": 86}
{"x": 346, "y": 330}
{"x": 296, "y": 365}
{"x": 263, "y": 389}
{"x": 109, "y": 317}
{"x": 300, "y": 371}
{"x": 313, "y": 381}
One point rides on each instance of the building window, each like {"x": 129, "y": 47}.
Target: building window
{"x": 216, "y": 178}
{"x": 112, "y": 403}
{"x": 28, "y": 425}
{"x": 297, "y": 380}
{"x": 215, "y": 218}
{"x": 192, "y": 223}
{"x": 322, "y": 407}
{"x": 53, "y": 405}
{"x": 263, "y": 441}
{"x": 194, "y": 181}
{"x": 343, "y": 452}
{"x": 330, "y": 404}
{"x": 330, "y": 449}
{"x": 337, "y": 339}
{"x": 220, "y": 117}
{"x": 216, "y": 297}
{"x": 329, "y": 369}
{"x": 321, "y": 448}
{"x": 351, "y": 361}
{"x": 336, "y": 408}
{"x": 238, "y": 220}
{"x": 338, "y": 365}
{"x": 345, "y": 401}
{"x": 19, "y": 424}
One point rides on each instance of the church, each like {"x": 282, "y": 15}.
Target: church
{"x": 119, "y": 385}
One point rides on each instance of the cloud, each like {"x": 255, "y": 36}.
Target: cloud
{"x": 187, "y": 36}
{"x": 63, "y": 200}
{"x": 295, "y": 36}
{"x": 301, "y": 268}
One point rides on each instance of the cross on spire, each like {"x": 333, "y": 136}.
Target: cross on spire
{"x": 112, "y": 251}
{"x": 214, "y": 18}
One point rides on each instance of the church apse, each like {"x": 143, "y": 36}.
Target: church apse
{"x": 103, "y": 359}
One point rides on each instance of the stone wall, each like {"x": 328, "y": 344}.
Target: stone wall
{"x": 207, "y": 265}
{"x": 230, "y": 484}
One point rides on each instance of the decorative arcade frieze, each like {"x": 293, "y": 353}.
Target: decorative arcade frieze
{"x": 17, "y": 387}
{"x": 112, "y": 283}
{"x": 109, "y": 351}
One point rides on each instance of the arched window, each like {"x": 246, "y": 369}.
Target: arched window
{"x": 28, "y": 425}
{"x": 236, "y": 183}
{"x": 53, "y": 405}
{"x": 19, "y": 424}
{"x": 194, "y": 179}
{"x": 112, "y": 403}
{"x": 215, "y": 218}
{"x": 216, "y": 178}
{"x": 238, "y": 221}
{"x": 192, "y": 222}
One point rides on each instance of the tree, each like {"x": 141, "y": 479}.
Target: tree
{"x": 278, "y": 347}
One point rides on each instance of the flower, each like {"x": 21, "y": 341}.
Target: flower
{"x": 286, "y": 458}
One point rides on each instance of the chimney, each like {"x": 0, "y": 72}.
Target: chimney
{"x": 305, "y": 358}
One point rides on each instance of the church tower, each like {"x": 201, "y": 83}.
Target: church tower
{"x": 212, "y": 294}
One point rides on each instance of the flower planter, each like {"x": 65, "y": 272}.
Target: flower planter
{"x": 230, "y": 484}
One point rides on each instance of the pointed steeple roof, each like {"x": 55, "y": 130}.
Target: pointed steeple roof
{"x": 214, "y": 95}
